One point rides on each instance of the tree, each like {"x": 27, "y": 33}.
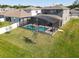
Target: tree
{"x": 75, "y": 4}
{"x": 14, "y": 6}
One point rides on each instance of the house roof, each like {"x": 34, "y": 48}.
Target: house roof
{"x": 76, "y": 8}
{"x": 32, "y": 8}
{"x": 74, "y": 11}
{"x": 56, "y": 7}
{"x": 49, "y": 18}
{"x": 17, "y": 13}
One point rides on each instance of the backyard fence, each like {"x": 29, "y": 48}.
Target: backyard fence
{"x": 8, "y": 28}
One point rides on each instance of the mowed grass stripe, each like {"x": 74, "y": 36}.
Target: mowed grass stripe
{"x": 9, "y": 50}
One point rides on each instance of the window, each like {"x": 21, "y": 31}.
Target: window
{"x": 1, "y": 16}
{"x": 28, "y": 11}
{"x": 36, "y": 11}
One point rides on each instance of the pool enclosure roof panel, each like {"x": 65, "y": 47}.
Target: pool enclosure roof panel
{"x": 49, "y": 18}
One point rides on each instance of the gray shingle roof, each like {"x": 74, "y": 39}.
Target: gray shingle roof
{"x": 17, "y": 13}
{"x": 32, "y": 8}
{"x": 76, "y": 8}
{"x": 56, "y": 7}
{"x": 74, "y": 12}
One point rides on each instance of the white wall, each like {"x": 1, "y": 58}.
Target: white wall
{"x": 2, "y": 19}
{"x": 66, "y": 16}
{"x": 39, "y": 11}
{"x": 35, "y": 12}
{"x": 8, "y": 28}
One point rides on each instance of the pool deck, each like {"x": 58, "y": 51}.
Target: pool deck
{"x": 47, "y": 31}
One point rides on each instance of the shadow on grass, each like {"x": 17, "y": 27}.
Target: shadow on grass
{"x": 8, "y": 32}
{"x": 28, "y": 40}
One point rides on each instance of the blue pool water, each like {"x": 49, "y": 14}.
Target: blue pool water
{"x": 33, "y": 28}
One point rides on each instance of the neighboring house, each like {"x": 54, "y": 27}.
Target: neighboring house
{"x": 74, "y": 13}
{"x": 3, "y": 11}
{"x": 58, "y": 10}
{"x": 17, "y": 15}
{"x": 33, "y": 10}
{"x": 2, "y": 18}
{"x": 6, "y": 9}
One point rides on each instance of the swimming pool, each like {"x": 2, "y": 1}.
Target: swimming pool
{"x": 33, "y": 28}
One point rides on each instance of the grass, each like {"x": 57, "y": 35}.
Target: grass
{"x": 67, "y": 42}
{"x": 9, "y": 50}
{"x": 16, "y": 37}
{"x": 6, "y": 23}
{"x": 62, "y": 44}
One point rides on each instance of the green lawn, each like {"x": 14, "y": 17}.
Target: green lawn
{"x": 6, "y": 23}
{"x": 62, "y": 44}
